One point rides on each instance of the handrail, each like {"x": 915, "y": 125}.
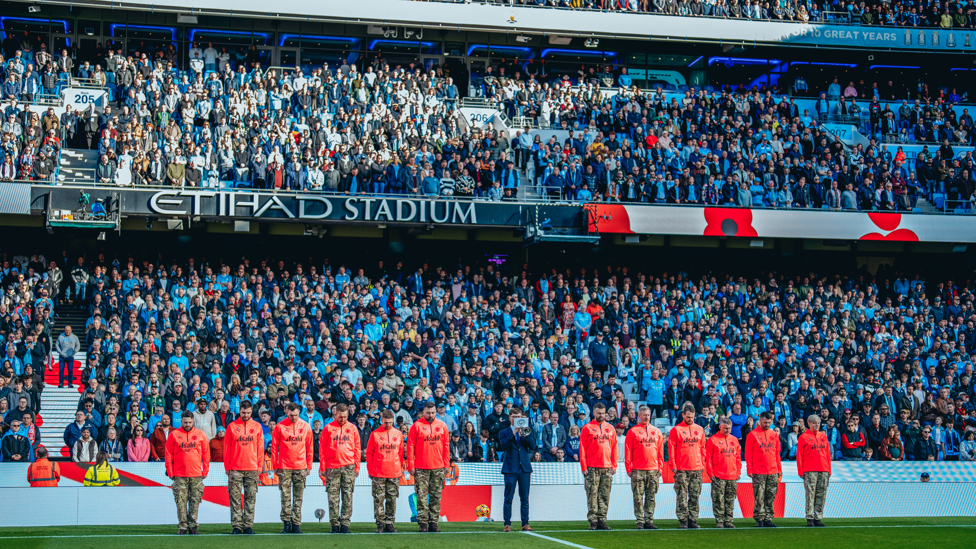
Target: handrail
{"x": 554, "y": 198}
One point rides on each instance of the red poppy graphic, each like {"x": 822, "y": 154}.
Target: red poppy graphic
{"x": 889, "y": 222}
{"x": 729, "y": 222}
{"x": 608, "y": 218}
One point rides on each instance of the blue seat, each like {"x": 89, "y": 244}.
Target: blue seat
{"x": 939, "y": 201}
{"x": 917, "y": 210}
{"x": 709, "y": 89}
{"x": 683, "y": 88}
{"x": 98, "y": 210}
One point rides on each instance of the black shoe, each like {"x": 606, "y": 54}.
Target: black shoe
{"x": 818, "y": 523}
{"x": 768, "y": 524}
{"x": 693, "y": 525}
{"x": 682, "y": 525}
{"x": 432, "y": 527}
{"x": 236, "y": 532}
{"x": 810, "y": 523}
{"x": 423, "y": 527}
{"x": 287, "y": 528}
{"x": 249, "y": 531}
{"x": 729, "y": 525}
{"x": 760, "y": 524}
{"x": 335, "y": 529}
{"x": 344, "y": 530}
{"x": 592, "y": 526}
{"x": 649, "y": 526}
{"x": 602, "y": 525}
{"x": 296, "y": 529}
{"x": 193, "y": 531}
{"x": 720, "y": 525}
{"x": 640, "y": 526}
{"x": 380, "y": 528}
{"x": 391, "y": 529}
{"x": 181, "y": 532}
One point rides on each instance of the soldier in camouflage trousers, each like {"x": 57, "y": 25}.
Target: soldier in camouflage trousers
{"x": 238, "y": 482}
{"x": 645, "y": 485}
{"x": 597, "y": 482}
{"x": 187, "y": 491}
{"x": 339, "y": 483}
{"x": 764, "y": 488}
{"x": 429, "y": 483}
{"x": 385, "y": 494}
{"x": 687, "y": 487}
{"x": 291, "y": 482}
{"x": 723, "y": 500}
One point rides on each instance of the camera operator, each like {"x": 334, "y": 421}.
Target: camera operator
{"x": 518, "y": 444}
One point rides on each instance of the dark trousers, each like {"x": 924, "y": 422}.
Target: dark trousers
{"x": 523, "y": 480}
{"x": 66, "y": 369}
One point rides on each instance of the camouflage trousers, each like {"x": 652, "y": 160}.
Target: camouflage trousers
{"x": 187, "y": 491}
{"x": 428, "y": 483}
{"x": 764, "y": 488}
{"x": 644, "y": 484}
{"x": 291, "y": 482}
{"x": 245, "y": 482}
{"x": 687, "y": 488}
{"x": 723, "y": 499}
{"x": 815, "y": 483}
{"x": 339, "y": 483}
{"x": 597, "y": 482}
{"x": 385, "y": 494}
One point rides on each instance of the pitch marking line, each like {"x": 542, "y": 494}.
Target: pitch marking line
{"x": 482, "y": 532}
{"x": 569, "y": 544}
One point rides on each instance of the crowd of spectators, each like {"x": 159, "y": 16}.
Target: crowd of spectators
{"x": 901, "y": 13}
{"x": 31, "y": 286}
{"x": 886, "y": 361}
{"x": 382, "y": 129}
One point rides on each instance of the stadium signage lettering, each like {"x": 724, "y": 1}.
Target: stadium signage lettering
{"x": 310, "y": 207}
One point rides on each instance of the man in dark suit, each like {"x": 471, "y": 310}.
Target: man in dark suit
{"x": 519, "y": 446}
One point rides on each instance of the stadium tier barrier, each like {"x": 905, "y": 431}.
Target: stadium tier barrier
{"x": 857, "y": 490}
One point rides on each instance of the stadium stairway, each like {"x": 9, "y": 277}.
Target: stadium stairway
{"x": 58, "y": 405}
{"x": 78, "y": 165}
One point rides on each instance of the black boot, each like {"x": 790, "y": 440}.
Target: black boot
{"x": 287, "y": 528}
{"x": 818, "y": 523}
{"x": 249, "y": 531}
{"x": 344, "y": 529}
{"x": 296, "y": 529}
{"x": 810, "y": 523}
{"x": 236, "y": 531}
{"x": 768, "y": 524}
{"x": 693, "y": 525}
{"x": 335, "y": 529}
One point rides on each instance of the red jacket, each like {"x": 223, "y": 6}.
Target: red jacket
{"x": 723, "y": 457}
{"x": 244, "y": 446}
{"x": 384, "y": 453}
{"x": 44, "y": 473}
{"x": 339, "y": 446}
{"x": 644, "y": 449}
{"x": 187, "y": 453}
{"x": 762, "y": 453}
{"x": 686, "y": 447}
{"x": 812, "y": 452}
{"x": 428, "y": 445}
{"x": 598, "y": 446}
{"x": 291, "y": 445}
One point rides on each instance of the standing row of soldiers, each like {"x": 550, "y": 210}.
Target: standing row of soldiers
{"x": 690, "y": 454}
{"x": 426, "y": 455}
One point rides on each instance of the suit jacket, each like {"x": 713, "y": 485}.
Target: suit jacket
{"x": 910, "y": 402}
{"x": 547, "y": 436}
{"x": 518, "y": 451}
